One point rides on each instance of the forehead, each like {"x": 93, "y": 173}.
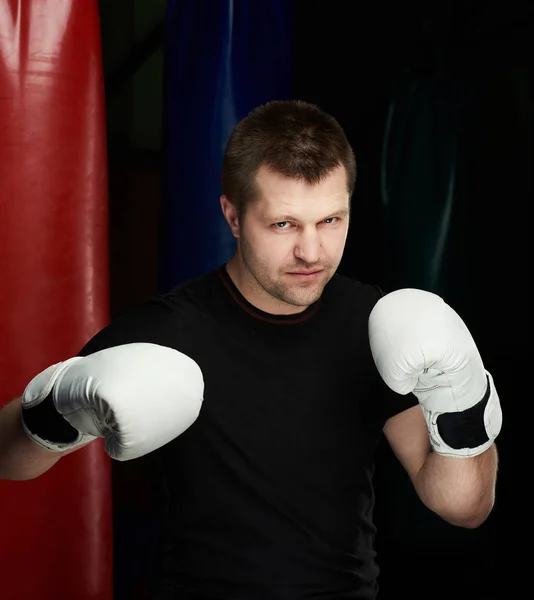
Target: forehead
{"x": 282, "y": 196}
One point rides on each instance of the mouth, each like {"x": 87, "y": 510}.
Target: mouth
{"x": 306, "y": 275}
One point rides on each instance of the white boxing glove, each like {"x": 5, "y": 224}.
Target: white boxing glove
{"x": 137, "y": 397}
{"x": 421, "y": 345}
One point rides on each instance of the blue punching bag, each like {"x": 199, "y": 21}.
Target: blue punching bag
{"x": 221, "y": 60}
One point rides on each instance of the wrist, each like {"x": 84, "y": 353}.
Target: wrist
{"x": 47, "y": 428}
{"x": 469, "y": 432}
{"x": 41, "y": 421}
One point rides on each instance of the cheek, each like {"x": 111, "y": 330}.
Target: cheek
{"x": 279, "y": 251}
{"x": 268, "y": 248}
{"x": 334, "y": 241}
{"x": 273, "y": 246}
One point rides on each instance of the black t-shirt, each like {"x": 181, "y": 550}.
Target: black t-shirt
{"x": 269, "y": 492}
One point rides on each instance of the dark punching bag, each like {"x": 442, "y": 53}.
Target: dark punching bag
{"x": 421, "y": 153}
{"x": 221, "y": 60}
{"x": 55, "y": 530}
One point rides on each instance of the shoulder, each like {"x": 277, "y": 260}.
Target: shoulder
{"x": 195, "y": 294}
{"x": 346, "y": 305}
{"x": 165, "y": 318}
{"x": 350, "y": 293}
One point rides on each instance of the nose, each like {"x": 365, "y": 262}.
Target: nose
{"x": 308, "y": 246}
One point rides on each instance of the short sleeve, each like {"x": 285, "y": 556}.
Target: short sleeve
{"x": 393, "y": 403}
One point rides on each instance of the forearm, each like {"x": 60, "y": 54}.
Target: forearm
{"x": 20, "y": 458}
{"x": 460, "y": 490}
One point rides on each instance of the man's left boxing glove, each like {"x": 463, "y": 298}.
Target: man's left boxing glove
{"x": 137, "y": 397}
{"x": 421, "y": 345}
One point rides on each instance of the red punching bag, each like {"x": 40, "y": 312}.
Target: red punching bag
{"x": 55, "y": 531}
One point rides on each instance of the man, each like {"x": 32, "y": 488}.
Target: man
{"x": 263, "y": 389}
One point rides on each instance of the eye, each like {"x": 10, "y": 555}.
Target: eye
{"x": 281, "y": 225}
{"x": 330, "y": 220}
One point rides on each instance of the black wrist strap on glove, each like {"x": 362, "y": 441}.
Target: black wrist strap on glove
{"x": 45, "y": 422}
{"x": 465, "y": 429}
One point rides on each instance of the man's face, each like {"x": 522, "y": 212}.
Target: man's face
{"x": 291, "y": 240}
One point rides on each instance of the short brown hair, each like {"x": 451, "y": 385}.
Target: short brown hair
{"x": 292, "y": 137}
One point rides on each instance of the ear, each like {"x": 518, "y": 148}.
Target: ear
{"x": 230, "y": 214}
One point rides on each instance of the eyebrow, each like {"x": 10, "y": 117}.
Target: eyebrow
{"x": 343, "y": 212}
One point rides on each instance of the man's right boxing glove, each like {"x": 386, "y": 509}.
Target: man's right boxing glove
{"x": 138, "y": 397}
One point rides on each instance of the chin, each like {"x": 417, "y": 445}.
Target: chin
{"x": 305, "y": 299}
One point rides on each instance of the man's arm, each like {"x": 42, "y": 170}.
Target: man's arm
{"x": 461, "y": 490}
{"x": 136, "y": 397}
{"x": 21, "y": 458}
